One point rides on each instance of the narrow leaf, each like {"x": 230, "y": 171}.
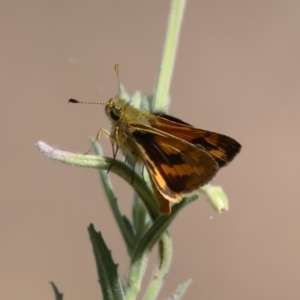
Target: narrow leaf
{"x": 139, "y": 216}
{"x": 180, "y": 291}
{"x": 100, "y": 162}
{"x": 107, "y": 270}
{"x": 57, "y": 293}
{"x": 123, "y": 223}
{"x": 159, "y": 226}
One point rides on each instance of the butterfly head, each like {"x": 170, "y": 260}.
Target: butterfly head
{"x": 115, "y": 108}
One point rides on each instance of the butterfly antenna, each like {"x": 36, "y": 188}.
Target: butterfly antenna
{"x": 83, "y": 102}
{"x": 116, "y": 67}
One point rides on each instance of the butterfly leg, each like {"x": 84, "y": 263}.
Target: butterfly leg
{"x": 115, "y": 151}
{"x": 97, "y": 138}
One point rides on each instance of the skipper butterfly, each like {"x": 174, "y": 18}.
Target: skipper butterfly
{"x": 179, "y": 157}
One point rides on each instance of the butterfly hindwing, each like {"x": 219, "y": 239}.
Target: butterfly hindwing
{"x": 176, "y": 166}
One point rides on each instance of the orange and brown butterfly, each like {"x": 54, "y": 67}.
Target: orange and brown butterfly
{"x": 179, "y": 157}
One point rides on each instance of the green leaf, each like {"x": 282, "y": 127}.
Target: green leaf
{"x": 139, "y": 216}
{"x": 140, "y": 101}
{"x": 57, "y": 293}
{"x": 159, "y": 226}
{"x": 107, "y": 270}
{"x": 130, "y": 230}
{"x": 123, "y": 223}
{"x": 180, "y": 291}
{"x": 101, "y": 162}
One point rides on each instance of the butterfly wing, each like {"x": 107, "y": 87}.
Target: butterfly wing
{"x": 221, "y": 147}
{"x": 176, "y": 166}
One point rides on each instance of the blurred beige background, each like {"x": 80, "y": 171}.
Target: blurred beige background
{"x": 237, "y": 72}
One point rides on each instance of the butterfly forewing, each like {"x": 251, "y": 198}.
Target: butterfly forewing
{"x": 221, "y": 147}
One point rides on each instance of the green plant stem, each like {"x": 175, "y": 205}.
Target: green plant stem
{"x": 162, "y": 267}
{"x": 144, "y": 246}
{"x": 161, "y": 95}
{"x": 160, "y": 100}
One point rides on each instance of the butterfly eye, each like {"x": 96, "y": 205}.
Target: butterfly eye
{"x": 116, "y": 113}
